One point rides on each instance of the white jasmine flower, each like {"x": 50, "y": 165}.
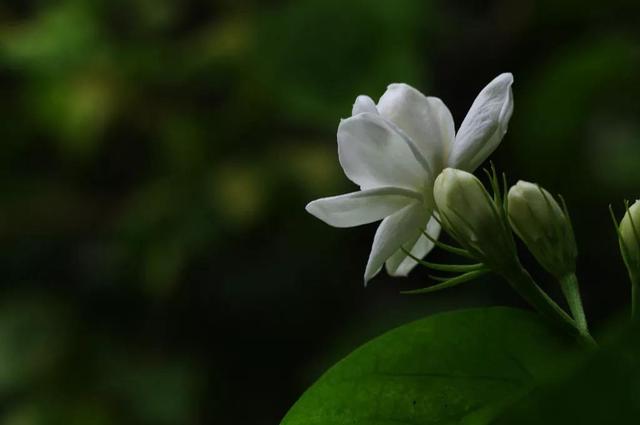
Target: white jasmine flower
{"x": 394, "y": 151}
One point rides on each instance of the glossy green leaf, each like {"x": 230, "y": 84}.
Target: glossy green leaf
{"x": 605, "y": 389}
{"x": 451, "y": 368}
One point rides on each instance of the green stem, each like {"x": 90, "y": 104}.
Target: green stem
{"x": 523, "y": 283}
{"x": 571, "y": 290}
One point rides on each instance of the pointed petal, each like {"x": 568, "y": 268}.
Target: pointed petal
{"x": 393, "y": 262}
{"x": 426, "y": 120}
{"x": 393, "y": 232}
{"x": 364, "y": 104}
{"x": 485, "y": 124}
{"x": 362, "y": 207}
{"x": 400, "y": 264}
{"x": 373, "y": 154}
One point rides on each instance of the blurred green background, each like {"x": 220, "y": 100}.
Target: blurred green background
{"x": 157, "y": 263}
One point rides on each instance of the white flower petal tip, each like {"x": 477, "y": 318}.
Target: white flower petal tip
{"x": 362, "y": 207}
{"x": 370, "y": 273}
{"x": 314, "y": 209}
{"x": 364, "y": 104}
{"x": 484, "y": 126}
{"x": 504, "y": 78}
{"x": 394, "y": 232}
{"x": 401, "y": 90}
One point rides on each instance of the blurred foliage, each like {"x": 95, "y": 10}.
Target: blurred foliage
{"x": 157, "y": 156}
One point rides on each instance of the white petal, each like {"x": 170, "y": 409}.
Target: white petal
{"x": 393, "y": 232}
{"x": 426, "y": 120}
{"x": 373, "y": 154}
{"x": 362, "y": 207}
{"x": 399, "y": 256}
{"x": 400, "y": 264}
{"x": 484, "y": 126}
{"x": 364, "y": 104}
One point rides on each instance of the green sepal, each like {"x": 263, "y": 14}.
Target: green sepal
{"x": 459, "y": 268}
{"x": 446, "y": 247}
{"x": 449, "y": 283}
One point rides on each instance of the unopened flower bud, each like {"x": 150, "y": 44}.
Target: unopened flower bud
{"x": 630, "y": 236}
{"x": 543, "y": 226}
{"x": 470, "y": 214}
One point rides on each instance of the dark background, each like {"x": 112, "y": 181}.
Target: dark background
{"x": 157, "y": 263}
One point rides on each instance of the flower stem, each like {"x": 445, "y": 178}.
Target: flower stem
{"x": 569, "y": 285}
{"x": 526, "y": 287}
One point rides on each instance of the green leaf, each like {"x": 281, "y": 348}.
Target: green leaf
{"x": 605, "y": 389}
{"x": 457, "y": 367}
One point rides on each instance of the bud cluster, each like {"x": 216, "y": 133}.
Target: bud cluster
{"x": 482, "y": 223}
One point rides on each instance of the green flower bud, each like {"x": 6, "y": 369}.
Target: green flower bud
{"x": 544, "y": 227}
{"x": 630, "y": 236}
{"x": 473, "y": 218}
